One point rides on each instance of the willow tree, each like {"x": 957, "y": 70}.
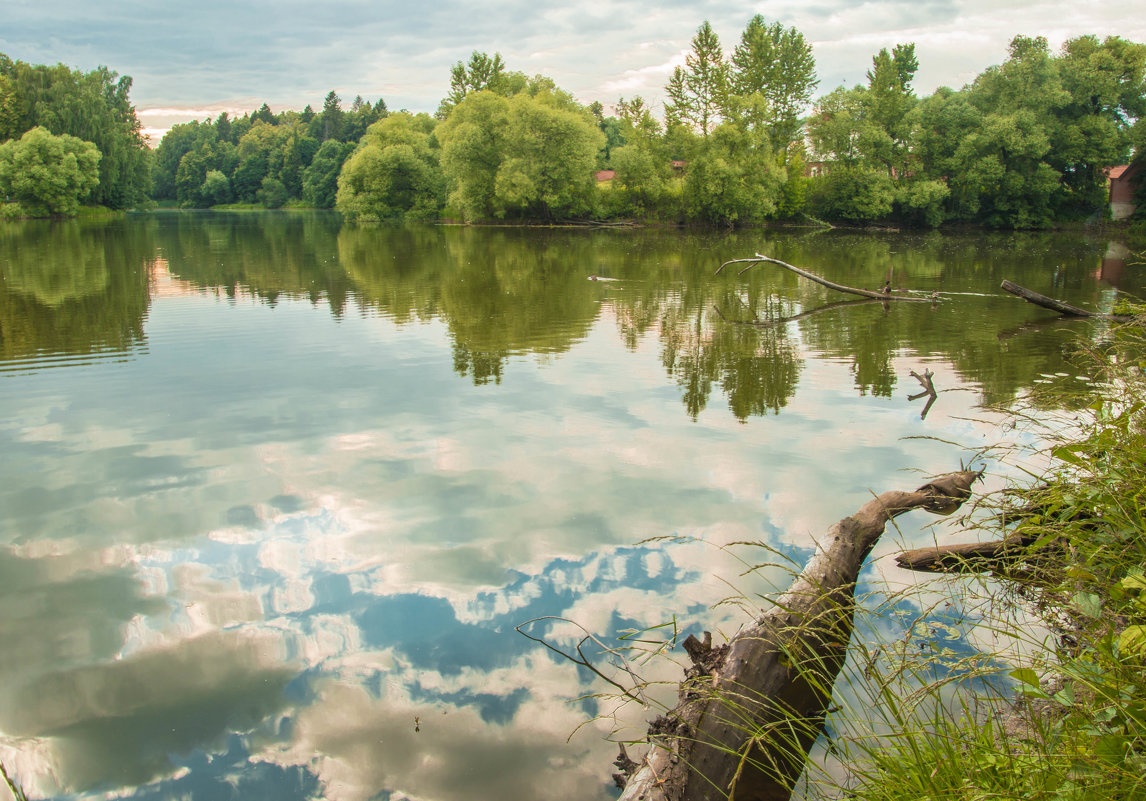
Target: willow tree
{"x": 46, "y": 174}
{"x": 532, "y": 155}
{"x": 394, "y": 173}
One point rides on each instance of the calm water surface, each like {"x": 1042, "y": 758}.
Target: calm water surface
{"x": 275, "y": 492}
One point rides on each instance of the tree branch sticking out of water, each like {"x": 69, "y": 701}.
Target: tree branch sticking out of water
{"x": 1030, "y": 296}
{"x": 748, "y": 711}
{"x": 928, "y": 389}
{"x": 885, "y": 294}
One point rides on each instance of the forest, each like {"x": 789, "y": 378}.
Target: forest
{"x": 743, "y": 139}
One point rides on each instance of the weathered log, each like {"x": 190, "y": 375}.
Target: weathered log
{"x": 885, "y": 294}
{"x": 749, "y": 711}
{"x": 1059, "y": 306}
{"x": 968, "y": 557}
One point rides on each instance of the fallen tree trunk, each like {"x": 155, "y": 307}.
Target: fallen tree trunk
{"x": 1059, "y": 306}
{"x": 749, "y": 710}
{"x": 864, "y": 293}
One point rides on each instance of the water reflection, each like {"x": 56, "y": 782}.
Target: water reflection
{"x": 71, "y": 288}
{"x": 282, "y": 553}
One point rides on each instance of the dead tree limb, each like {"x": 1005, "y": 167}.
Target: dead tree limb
{"x": 749, "y": 711}
{"x": 1059, "y": 306}
{"x": 865, "y": 293}
{"x": 928, "y": 390}
{"x": 976, "y": 557}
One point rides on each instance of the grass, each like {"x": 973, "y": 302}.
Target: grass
{"x": 1066, "y": 719}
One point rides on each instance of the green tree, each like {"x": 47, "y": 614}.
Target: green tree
{"x": 216, "y": 189}
{"x": 93, "y": 106}
{"x": 272, "y": 193}
{"x": 732, "y": 178}
{"x": 698, "y": 91}
{"x": 530, "y": 155}
{"x": 394, "y": 173}
{"x": 888, "y": 101}
{"x": 47, "y": 174}
{"x": 483, "y": 72}
{"x": 330, "y": 119}
{"x": 320, "y": 178}
{"x": 776, "y": 64}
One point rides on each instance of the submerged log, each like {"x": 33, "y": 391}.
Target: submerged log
{"x": 883, "y": 294}
{"x": 749, "y": 710}
{"x": 1059, "y": 306}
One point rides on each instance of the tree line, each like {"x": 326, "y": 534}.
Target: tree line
{"x": 742, "y": 140}
{"x": 1027, "y": 144}
{"x": 68, "y": 137}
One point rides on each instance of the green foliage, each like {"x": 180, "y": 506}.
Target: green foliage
{"x": 1078, "y": 728}
{"x": 216, "y": 188}
{"x": 272, "y": 193}
{"x": 698, "y": 91}
{"x": 1026, "y": 145}
{"x": 733, "y": 179}
{"x": 532, "y": 155}
{"x": 852, "y": 193}
{"x": 93, "y": 106}
{"x": 775, "y": 64}
{"x": 320, "y": 178}
{"x": 921, "y": 202}
{"x": 48, "y": 175}
{"x": 482, "y": 73}
{"x": 394, "y": 173}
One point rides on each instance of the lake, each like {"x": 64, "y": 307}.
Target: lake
{"x": 277, "y": 491}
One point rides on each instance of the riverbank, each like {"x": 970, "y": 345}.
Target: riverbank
{"x": 1068, "y": 720}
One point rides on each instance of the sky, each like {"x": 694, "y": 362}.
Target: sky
{"x": 190, "y": 60}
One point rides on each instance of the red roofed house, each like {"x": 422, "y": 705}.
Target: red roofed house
{"x": 1122, "y": 179}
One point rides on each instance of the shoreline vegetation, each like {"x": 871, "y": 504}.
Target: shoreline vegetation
{"x": 742, "y": 140}
{"x": 1051, "y": 704}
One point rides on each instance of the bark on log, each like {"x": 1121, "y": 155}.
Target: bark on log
{"x": 975, "y": 557}
{"x": 969, "y": 557}
{"x": 865, "y": 293}
{"x": 1059, "y": 306}
{"x": 749, "y": 711}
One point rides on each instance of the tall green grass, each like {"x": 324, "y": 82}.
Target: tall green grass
{"x": 1054, "y": 707}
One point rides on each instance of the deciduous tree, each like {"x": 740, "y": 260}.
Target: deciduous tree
{"x": 47, "y": 174}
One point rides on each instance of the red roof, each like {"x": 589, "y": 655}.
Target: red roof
{"x": 606, "y": 175}
{"x": 1114, "y": 173}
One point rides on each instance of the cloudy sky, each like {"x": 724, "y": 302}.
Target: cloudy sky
{"x": 193, "y": 59}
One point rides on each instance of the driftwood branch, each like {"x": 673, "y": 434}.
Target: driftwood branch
{"x": 884, "y": 294}
{"x": 976, "y": 557}
{"x": 1059, "y": 306}
{"x": 584, "y": 661}
{"x": 749, "y": 711}
{"x": 928, "y": 390}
